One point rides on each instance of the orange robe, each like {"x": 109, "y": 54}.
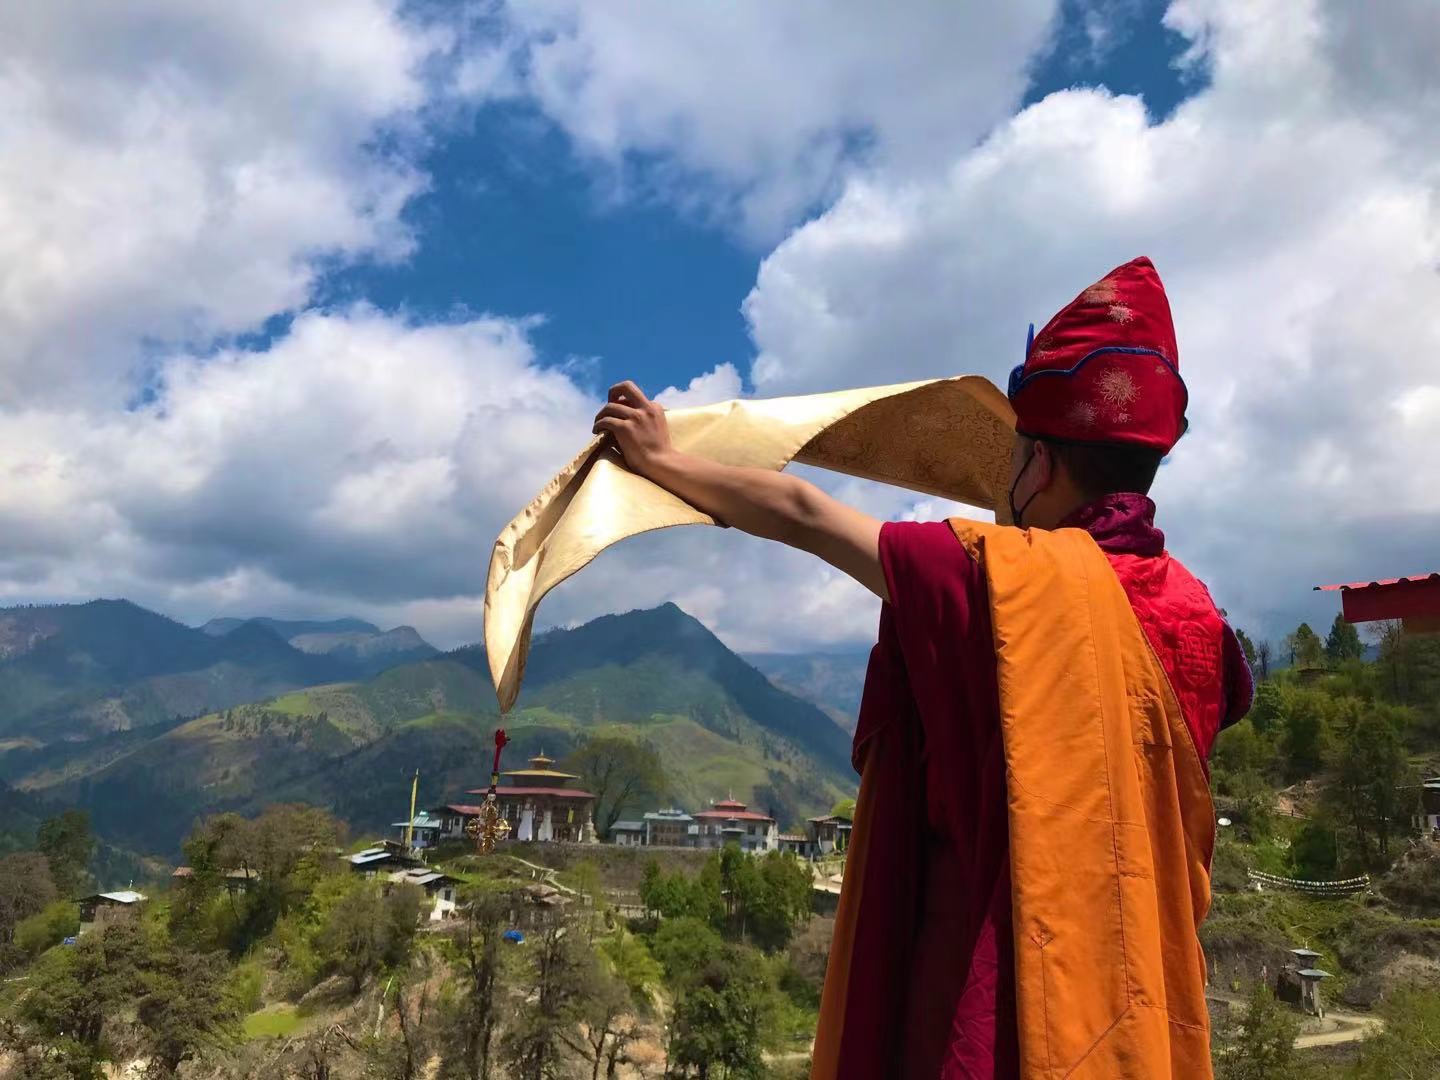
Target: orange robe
{"x": 1111, "y": 827}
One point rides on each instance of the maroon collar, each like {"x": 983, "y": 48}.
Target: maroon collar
{"x": 1122, "y": 524}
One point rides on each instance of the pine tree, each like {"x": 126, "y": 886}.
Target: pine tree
{"x": 1247, "y": 647}
{"x": 1343, "y": 642}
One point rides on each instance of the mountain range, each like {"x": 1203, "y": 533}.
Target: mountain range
{"x": 363, "y": 646}
{"x": 286, "y": 711}
{"x": 78, "y": 670}
{"x": 832, "y": 680}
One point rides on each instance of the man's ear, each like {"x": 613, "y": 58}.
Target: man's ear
{"x": 1046, "y": 465}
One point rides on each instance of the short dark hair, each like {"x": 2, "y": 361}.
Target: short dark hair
{"x": 1099, "y": 469}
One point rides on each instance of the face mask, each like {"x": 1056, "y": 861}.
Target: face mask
{"x": 1017, "y": 511}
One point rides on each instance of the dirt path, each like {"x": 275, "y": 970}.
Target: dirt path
{"x": 1349, "y": 1027}
{"x": 547, "y": 875}
{"x": 823, "y": 882}
{"x": 1352, "y": 1028}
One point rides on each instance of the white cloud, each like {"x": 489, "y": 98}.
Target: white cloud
{"x": 171, "y": 180}
{"x": 719, "y": 384}
{"x": 359, "y": 460}
{"x": 170, "y": 175}
{"x": 362, "y": 465}
{"x": 1297, "y": 230}
{"x": 756, "y": 109}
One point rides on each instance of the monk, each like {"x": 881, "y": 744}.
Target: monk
{"x": 1033, "y": 835}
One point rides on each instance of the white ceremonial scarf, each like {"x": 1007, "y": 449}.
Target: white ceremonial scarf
{"x": 945, "y": 437}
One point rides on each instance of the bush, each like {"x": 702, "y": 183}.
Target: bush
{"x": 369, "y": 930}
{"x": 1409, "y": 1044}
{"x": 685, "y": 947}
{"x": 632, "y": 963}
{"x": 48, "y": 927}
{"x": 1262, "y": 1045}
{"x": 1314, "y": 851}
{"x": 247, "y": 986}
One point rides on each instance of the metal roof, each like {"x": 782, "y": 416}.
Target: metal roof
{"x": 1413, "y": 600}
{"x": 123, "y": 896}
{"x": 1314, "y": 973}
{"x": 360, "y": 858}
{"x": 1347, "y": 586}
{"x": 421, "y": 821}
{"x": 421, "y": 876}
{"x": 668, "y": 815}
{"x": 628, "y": 826}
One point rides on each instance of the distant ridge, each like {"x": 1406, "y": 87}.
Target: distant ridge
{"x": 289, "y": 628}
{"x": 658, "y": 675}
{"x": 71, "y": 671}
{"x": 363, "y": 646}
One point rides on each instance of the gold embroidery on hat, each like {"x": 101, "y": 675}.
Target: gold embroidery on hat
{"x": 1082, "y": 414}
{"x": 1120, "y": 416}
{"x": 1117, "y": 388}
{"x": 1102, "y": 292}
{"x": 1120, "y": 313}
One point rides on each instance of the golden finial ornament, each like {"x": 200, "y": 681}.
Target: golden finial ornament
{"x": 489, "y": 827}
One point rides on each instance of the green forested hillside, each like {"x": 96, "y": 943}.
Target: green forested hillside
{"x": 832, "y": 680}
{"x": 657, "y": 676}
{"x": 76, "y": 671}
{"x": 71, "y": 671}
{"x": 1323, "y": 782}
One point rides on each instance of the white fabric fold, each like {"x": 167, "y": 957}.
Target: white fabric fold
{"x": 944, "y": 437}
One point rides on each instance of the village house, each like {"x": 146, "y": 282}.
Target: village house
{"x": 454, "y": 817}
{"x": 794, "y": 843}
{"x": 828, "y": 834}
{"x": 382, "y": 859}
{"x": 107, "y": 908}
{"x": 440, "y": 889}
{"x": 1428, "y": 819}
{"x": 671, "y": 827}
{"x": 628, "y": 833}
{"x": 425, "y": 830}
{"x": 731, "y": 822}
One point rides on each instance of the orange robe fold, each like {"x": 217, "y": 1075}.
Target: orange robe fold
{"x": 1111, "y": 825}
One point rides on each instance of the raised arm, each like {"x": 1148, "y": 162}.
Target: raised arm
{"x": 767, "y": 504}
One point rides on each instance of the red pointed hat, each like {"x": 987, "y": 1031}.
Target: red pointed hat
{"x": 1105, "y": 369}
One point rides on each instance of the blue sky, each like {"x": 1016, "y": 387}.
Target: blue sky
{"x": 637, "y": 287}
{"x": 302, "y": 304}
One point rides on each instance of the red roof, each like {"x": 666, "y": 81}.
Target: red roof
{"x": 1416, "y": 600}
{"x": 1416, "y": 579}
{"x": 463, "y": 808}
{"x": 728, "y": 804}
{"x": 558, "y": 792}
{"x": 740, "y": 815}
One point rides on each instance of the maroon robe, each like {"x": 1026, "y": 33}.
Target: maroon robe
{"x": 933, "y": 961}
